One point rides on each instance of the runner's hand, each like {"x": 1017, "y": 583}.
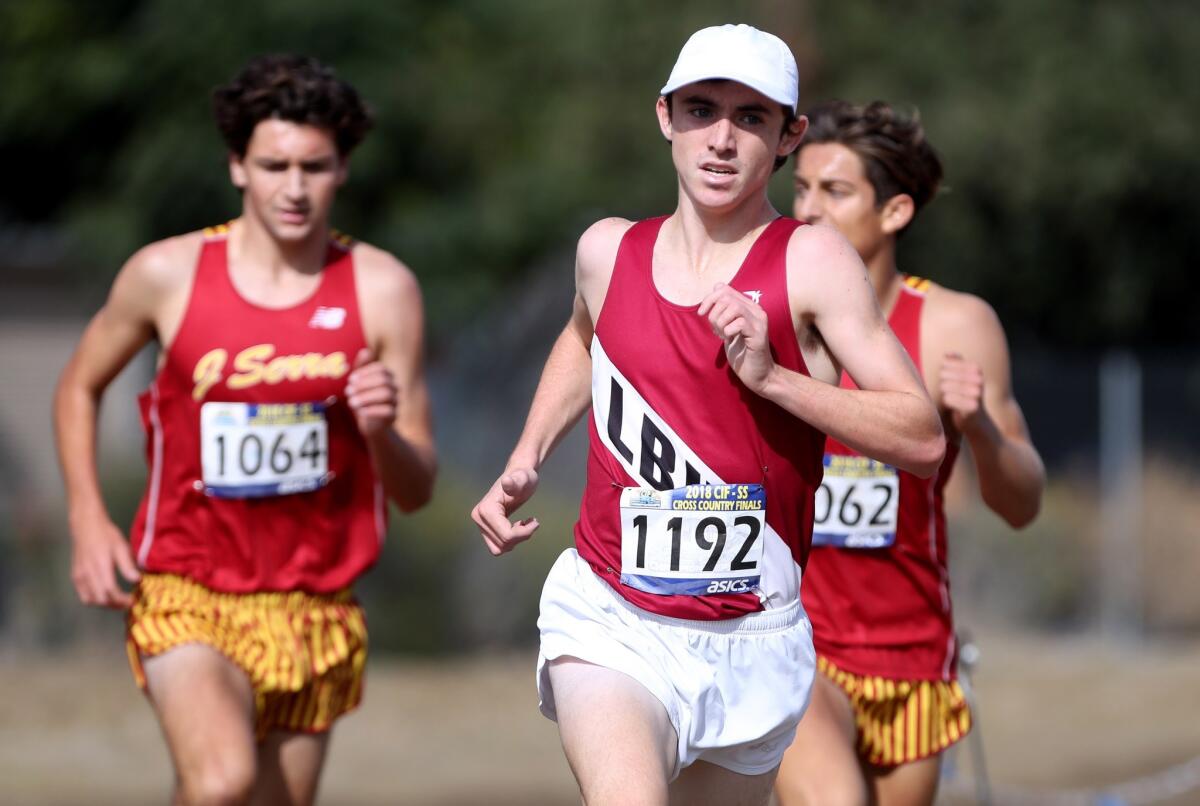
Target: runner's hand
{"x": 492, "y": 513}
{"x": 960, "y": 391}
{"x": 97, "y": 547}
{"x": 742, "y": 325}
{"x": 372, "y": 394}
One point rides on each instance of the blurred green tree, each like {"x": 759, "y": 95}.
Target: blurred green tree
{"x": 504, "y": 128}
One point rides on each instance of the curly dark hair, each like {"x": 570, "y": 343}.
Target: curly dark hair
{"x": 892, "y": 147}
{"x": 294, "y": 88}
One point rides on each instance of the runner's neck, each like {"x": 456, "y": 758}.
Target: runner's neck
{"x": 702, "y": 240}
{"x": 254, "y": 250}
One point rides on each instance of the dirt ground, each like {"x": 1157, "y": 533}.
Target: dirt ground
{"x": 1055, "y": 714}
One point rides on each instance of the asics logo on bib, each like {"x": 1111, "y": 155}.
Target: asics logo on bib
{"x": 259, "y": 364}
{"x": 728, "y": 586}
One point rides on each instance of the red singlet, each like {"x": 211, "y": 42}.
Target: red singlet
{"x": 259, "y": 479}
{"x": 877, "y": 588}
{"x": 668, "y": 411}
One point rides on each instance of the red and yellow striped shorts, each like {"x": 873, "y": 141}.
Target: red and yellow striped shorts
{"x": 304, "y": 653}
{"x": 900, "y": 721}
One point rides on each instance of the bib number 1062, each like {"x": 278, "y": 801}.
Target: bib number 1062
{"x": 857, "y": 504}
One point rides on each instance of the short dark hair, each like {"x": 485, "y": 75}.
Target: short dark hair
{"x": 892, "y": 147}
{"x": 294, "y": 88}
{"x": 789, "y": 117}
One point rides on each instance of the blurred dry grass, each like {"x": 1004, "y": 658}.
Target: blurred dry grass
{"x": 1060, "y": 708}
{"x": 1047, "y": 576}
{"x": 1055, "y": 712}
{"x": 1171, "y": 539}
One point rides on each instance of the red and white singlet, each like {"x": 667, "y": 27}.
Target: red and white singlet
{"x": 699, "y": 494}
{"x": 877, "y": 588}
{"x": 259, "y": 479}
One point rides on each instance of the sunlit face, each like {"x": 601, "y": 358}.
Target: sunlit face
{"x": 724, "y": 140}
{"x": 289, "y": 178}
{"x": 832, "y": 188}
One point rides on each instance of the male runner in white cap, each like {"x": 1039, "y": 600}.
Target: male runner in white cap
{"x": 675, "y": 654}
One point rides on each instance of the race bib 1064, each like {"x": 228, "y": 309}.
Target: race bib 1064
{"x": 698, "y": 540}
{"x": 250, "y": 450}
{"x": 857, "y": 504}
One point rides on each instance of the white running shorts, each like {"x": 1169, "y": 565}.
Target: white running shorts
{"x": 734, "y": 689}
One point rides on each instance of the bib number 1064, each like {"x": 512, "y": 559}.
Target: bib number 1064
{"x": 252, "y": 456}
{"x": 256, "y": 450}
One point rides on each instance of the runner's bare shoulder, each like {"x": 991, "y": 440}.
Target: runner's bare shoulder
{"x": 382, "y": 277}
{"x": 153, "y": 286}
{"x": 821, "y": 264}
{"x": 959, "y": 317}
{"x": 389, "y": 300}
{"x": 166, "y": 266}
{"x": 594, "y": 260}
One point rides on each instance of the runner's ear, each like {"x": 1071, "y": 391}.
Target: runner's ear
{"x": 237, "y": 171}
{"x": 897, "y": 212}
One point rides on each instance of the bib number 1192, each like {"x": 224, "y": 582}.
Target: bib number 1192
{"x": 698, "y": 540}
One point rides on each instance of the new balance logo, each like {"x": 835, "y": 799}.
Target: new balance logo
{"x": 328, "y": 318}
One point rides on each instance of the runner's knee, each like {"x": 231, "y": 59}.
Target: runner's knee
{"x": 830, "y": 790}
{"x": 224, "y": 779}
{"x": 622, "y": 795}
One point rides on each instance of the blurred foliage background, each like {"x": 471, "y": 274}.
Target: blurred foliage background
{"x": 1068, "y": 128}
{"x": 1069, "y": 132}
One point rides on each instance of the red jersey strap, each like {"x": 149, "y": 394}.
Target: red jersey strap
{"x": 762, "y": 281}
{"x": 635, "y": 252}
{"x": 905, "y": 319}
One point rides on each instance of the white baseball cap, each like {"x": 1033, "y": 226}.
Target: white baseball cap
{"x": 740, "y": 53}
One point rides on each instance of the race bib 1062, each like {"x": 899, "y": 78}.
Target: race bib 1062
{"x": 697, "y": 540}
{"x": 857, "y": 504}
{"x": 250, "y": 450}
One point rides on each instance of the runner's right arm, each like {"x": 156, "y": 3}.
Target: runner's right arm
{"x": 125, "y": 324}
{"x": 890, "y": 415}
{"x": 563, "y": 393}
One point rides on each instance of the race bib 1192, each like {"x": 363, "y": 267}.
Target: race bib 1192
{"x": 250, "y": 450}
{"x": 703, "y": 539}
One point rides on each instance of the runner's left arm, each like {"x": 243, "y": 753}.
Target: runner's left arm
{"x": 386, "y": 389}
{"x": 974, "y": 385}
{"x": 890, "y": 416}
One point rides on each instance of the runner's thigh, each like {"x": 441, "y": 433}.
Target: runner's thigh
{"x": 206, "y": 708}
{"x": 617, "y": 736}
{"x": 822, "y": 767}
{"x": 704, "y": 784}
